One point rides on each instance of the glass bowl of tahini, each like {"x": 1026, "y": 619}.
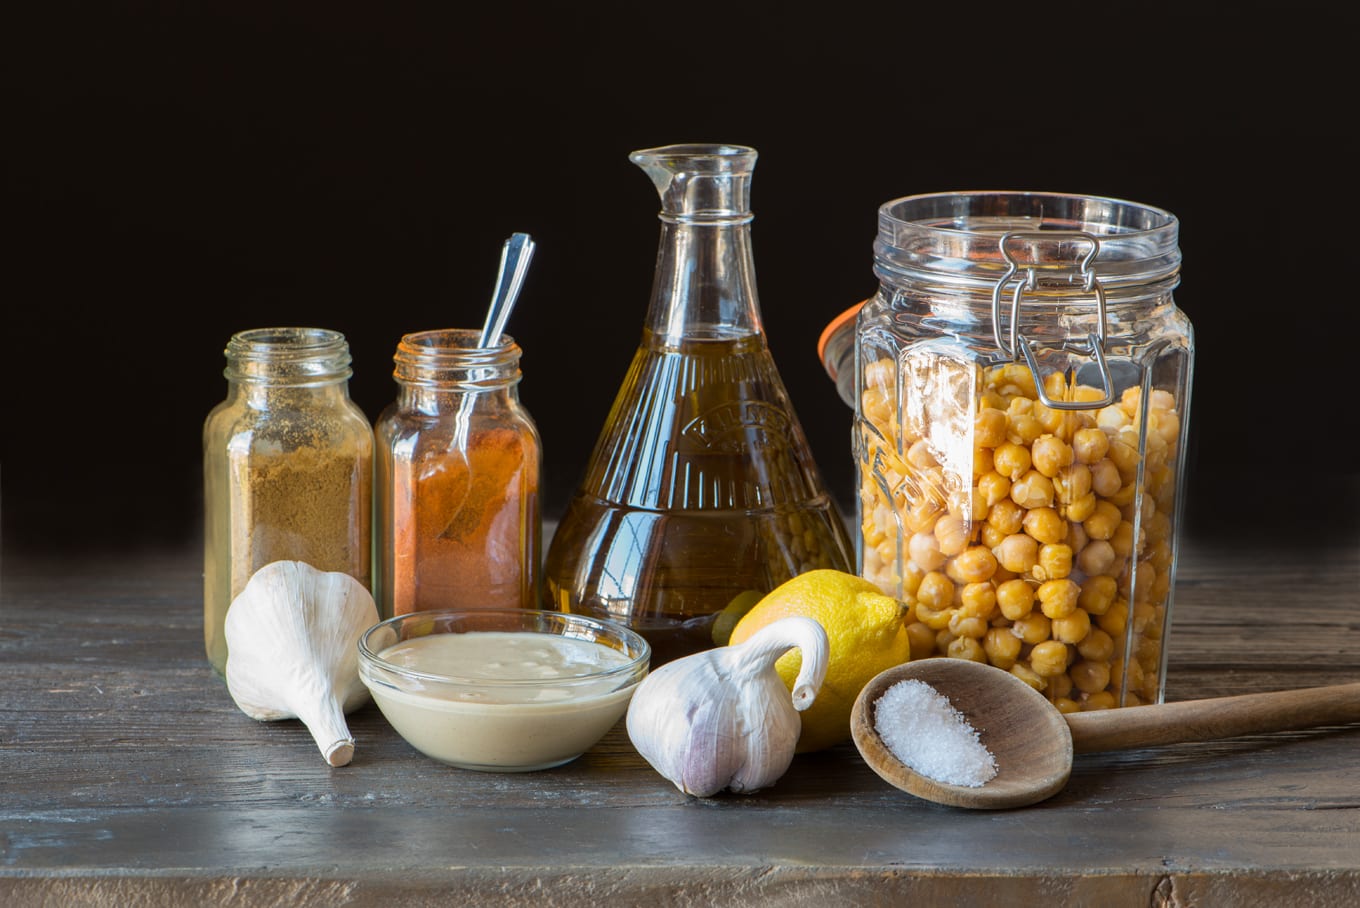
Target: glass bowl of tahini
{"x": 502, "y": 690}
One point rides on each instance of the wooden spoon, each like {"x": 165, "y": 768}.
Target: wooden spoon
{"x": 1033, "y": 742}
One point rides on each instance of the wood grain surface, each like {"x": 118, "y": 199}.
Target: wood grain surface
{"x": 128, "y": 776}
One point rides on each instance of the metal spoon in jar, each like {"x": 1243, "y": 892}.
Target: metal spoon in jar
{"x": 515, "y": 257}
{"x": 1033, "y": 743}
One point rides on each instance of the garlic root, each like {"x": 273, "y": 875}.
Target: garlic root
{"x": 292, "y": 650}
{"x": 723, "y": 718}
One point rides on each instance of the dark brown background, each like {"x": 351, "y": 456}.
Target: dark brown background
{"x": 178, "y": 172}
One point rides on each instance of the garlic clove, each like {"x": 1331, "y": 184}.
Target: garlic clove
{"x": 292, "y": 650}
{"x": 723, "y": 718}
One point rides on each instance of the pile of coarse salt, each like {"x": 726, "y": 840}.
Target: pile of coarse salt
{"x": 924, "y": 730}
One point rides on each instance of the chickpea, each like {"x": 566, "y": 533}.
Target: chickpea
{"x": 973, "y": 565}
{"x": 1102, "y": 524}
{"x": 936, "y": 591}
{"x": 1158, "y": 525}
{"x": 875, "y": 405}
{"x": 1055, "y": 560}
{"x": 1125, "y": 495}
{"x": 1124, "y": 453}
{"x": 1033, "y": 628}
{"x": 1072, "y": 482}
{"x": 920, "y": 456}
{"x": 1076, "y": 537}
{"x": 978, "y": 600}
{"x": 1050, "y": 455}
{"x": 1018, "y": 552}
{"x": 1090, "y": 677}
{"x": 1100, "y": 700}
{"x": 1011, "y": 460}
{"x": 966, "y": 648}
{"x": 1072, "y": 628}
{"x": 1115, "y": 619}
{"x": 993, "y": 487}
{"x": 1055, "y": 386}
{"x": 963, "y": 626}
{"x": 1112, "y": 418}
{"x": 911, "y": 579}
{"x": 1144, "y": 576}
{"x": 1058, "y": 598}
{"x": 1002, "y": 647}
{"x": 937, "y": 619}
{"x": 975, "y": 506}
{"x": 1015, "y": 599}
{"x": 1098, "y": 593}
{"x": 1024, "y": 429}
{"x": 982, "y": 461}
{"x": 1059, "y": 686}
{"x": 1055, "y": 422}
{"x": 1048, "y": 658}
{"x": 1144, "y": 619}
{"x": 1082, "y": 508}
{"x": 921, "y": 516}
{"x": 1089, "y": 445}
{"x": 1122, "y": 540}
{"x": 921, "y": 638}
{"x": 1167, "y": 425}
{"x": 1096, "y": 558}
{"x": 1045, "y": 525}
{"x": 1134, "y": 672}
{"x": 1105, "y": 479}
{"x": 1161, "y": 400}
{"x": 1097, "y": 646}
{"x": 1032, "y": 490}
{"x": 951, "y": 533}
{"x": 1029, "y": 676}
{"x": 991, "y": 536}
{"x": 1019, "y": 378}
{"x": 989, "y": 427}
{"x": 1006, "y": 516}
{"x": 924, "y": 551}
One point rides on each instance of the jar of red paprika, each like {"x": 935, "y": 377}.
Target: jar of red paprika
{"x": 458, "y": 471}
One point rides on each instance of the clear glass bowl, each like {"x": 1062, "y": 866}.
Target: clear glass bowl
{"x": 502, "y": 690}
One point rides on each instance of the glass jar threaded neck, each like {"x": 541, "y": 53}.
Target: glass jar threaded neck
{"x": 291, "y": 357}
{"x": 453, "y": 359}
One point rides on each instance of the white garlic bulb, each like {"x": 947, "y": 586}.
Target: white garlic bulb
{"x": 723, "y": 718}
{"x": 293, "y": 650}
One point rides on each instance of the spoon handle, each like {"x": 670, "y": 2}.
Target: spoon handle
{"x": 515, "y": 256}
{"x": 1214, "y": 718}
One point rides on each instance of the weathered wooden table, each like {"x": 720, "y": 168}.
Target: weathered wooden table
{"x": 128, "y": 777}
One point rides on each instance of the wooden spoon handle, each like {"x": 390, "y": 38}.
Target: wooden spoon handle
{"x": 1214, "y": 718}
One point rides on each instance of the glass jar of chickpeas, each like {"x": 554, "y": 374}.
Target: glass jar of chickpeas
{"x": 1022, "y": 396}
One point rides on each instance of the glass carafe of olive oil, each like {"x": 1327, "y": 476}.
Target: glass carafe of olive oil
{"x": 701, "y": 486}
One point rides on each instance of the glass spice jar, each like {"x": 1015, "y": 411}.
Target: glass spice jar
{"x": 1022, "y": 399}
{"x": 459, "y": 463}
{"x": 287, "y": 465}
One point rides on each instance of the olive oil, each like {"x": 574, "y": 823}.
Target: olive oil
{"x": 701, "y": 486}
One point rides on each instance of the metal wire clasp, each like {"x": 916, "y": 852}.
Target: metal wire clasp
{"x": 1017, "y": 344}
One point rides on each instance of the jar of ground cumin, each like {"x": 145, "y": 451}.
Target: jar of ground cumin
{"x": 458, "y": 475}
{"x": 287, "y": 466}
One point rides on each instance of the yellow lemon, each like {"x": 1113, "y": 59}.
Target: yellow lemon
{"x": 728, "y": 617}
{"x": 866, "y": 634}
